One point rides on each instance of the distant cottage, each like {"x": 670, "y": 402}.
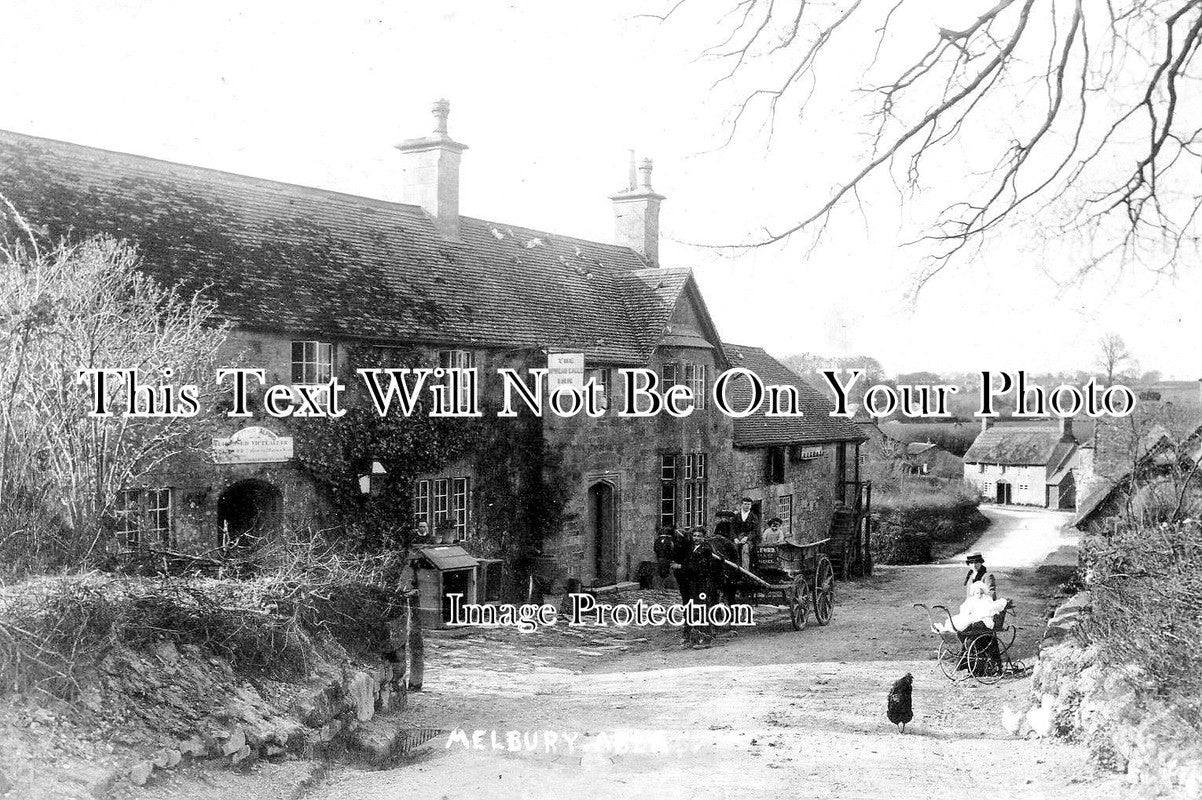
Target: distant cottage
{"x": 928, "y": 458}
{"x": 1024, "y": 465}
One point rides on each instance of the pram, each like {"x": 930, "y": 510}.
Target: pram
{"x": 979, "y": 650}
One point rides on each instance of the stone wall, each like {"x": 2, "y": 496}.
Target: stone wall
{"x": 811, "y": 483}
{"x": 624, "y": 452}
{"x": 1125, "y": 729}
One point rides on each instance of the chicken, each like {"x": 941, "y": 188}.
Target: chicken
{"x": 1013, "y": 721}
{"x": 1040, "y": 717}
{"x": 900, "y": 710}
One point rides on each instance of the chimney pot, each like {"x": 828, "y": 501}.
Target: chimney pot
{"x": 645, "y": 169}
{"x": 442, "y": 110}
{"x": 431, "y": 166}
{"x": 636, "y": 213}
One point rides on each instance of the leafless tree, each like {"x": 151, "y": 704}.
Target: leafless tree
{"x": 64, "y": 308}
{"x": 1080, "y": 121}
{"x": 1113, "y": 356}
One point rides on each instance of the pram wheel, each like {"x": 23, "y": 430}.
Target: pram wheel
{"x": 984, "y": 659}
{"x": 949, "y": 661}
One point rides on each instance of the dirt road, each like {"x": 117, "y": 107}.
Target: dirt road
{"x": 769, "y": 713}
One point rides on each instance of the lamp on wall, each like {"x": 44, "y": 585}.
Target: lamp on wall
{"x": 375, "y": 468}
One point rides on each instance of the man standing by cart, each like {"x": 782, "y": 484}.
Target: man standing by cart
{"x": 745, "y": 528}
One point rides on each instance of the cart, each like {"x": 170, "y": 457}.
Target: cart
{"x": 980, "y": 651}
{"x": 801, "y": 574}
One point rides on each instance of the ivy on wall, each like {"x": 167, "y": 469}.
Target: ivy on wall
{"x": 519, "y": 493}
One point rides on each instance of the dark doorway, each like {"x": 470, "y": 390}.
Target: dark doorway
{"x": 1068, "y": 493}
{"x": 457, "y": 581}
{"x": 247, "y": 512}
{"x": 605, "y": 540}
{"x": 1003, "y": 493}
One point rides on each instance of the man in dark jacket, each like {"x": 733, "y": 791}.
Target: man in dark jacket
{"x": 745, "y": 527}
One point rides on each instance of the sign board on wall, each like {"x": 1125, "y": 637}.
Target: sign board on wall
{"x": 253, "y": 445}
{"x": 565, "y": 369}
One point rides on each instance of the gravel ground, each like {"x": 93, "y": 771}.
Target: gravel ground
{"x": 767, "y": 713}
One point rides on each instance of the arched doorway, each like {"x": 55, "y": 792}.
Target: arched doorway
{"x": 247, "y": 512}
{"x": 603, "y": 524}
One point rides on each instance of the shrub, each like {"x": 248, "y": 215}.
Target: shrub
{"x": 914, "y": 522}
{"x": 303, "y": 599}
{"x": 1146, "y": 582}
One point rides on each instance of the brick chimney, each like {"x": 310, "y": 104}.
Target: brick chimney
{"x": 986, "y": 423}
{"x": 636, "y": 213}
{"x": 1066, "y": 430}
{"x": 431, "y": 173}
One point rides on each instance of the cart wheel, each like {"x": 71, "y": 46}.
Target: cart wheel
{"x": 984, "y": 662}
{"x": 949, "y": 662}
{"x": 824, "y": 591}
{"x": 797, "y": 603}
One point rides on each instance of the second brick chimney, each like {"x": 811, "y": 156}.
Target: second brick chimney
{"x": 636, "y": 214}
{"x": 1066, "y": 430}
{"x": 431, "y": 173}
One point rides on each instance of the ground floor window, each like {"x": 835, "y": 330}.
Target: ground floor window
{"x": 143, "y": 517}
{"x": 684, "y": 489}
{"x": 667, "y": 490}
{"x": 784, "y": 510}
{"x": 438, "y": 500}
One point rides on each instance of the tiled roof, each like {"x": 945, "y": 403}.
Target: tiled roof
{"x": 284, "y": 257}
{"x": 917, "y": 448}
{"x": 651, "y": 294}
{"x": 1158, "y": 452}
{"x": 759, "y": 430}
{"x": 1088, "y": 507}
{"x": 1015, "y": 445}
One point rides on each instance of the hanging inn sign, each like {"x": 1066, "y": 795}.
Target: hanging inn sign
{"x": 253, "y": 445}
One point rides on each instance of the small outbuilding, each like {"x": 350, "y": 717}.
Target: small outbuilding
{"x": 442, "y": 571}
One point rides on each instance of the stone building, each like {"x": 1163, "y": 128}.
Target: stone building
{"x": 1160, "y": 473}
{"x": 316, "y": 282}
{"x": 1029, "y": 465}
{"x": 798, "y": 468}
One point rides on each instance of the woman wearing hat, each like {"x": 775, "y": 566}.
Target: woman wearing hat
{"x": 977, "y": 574}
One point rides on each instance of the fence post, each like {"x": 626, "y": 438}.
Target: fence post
{"x": 416, "y": 650}
{"x": 868, "y": 529}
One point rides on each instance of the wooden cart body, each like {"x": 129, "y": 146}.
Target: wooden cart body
{"x": 801, "y": 574}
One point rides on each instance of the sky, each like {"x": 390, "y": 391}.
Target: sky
{"x": 549, "y": 97}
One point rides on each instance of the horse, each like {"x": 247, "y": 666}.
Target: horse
{"x": 701, "y": 577}
{"x": 713, "y": 576}
{"x": 673, "y": 546}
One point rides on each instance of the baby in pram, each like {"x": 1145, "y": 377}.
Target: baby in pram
{"x": 980, "y": 617}
{"x": 978, "y": 613}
